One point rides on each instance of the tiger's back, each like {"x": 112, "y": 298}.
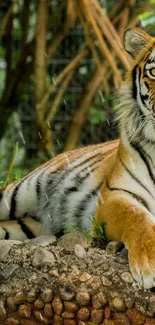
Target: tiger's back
{"x": 63, "y": 191}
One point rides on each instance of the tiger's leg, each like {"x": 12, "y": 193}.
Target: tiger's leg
{"x": 130, "y": 222}
{"x": 21, "y": 229}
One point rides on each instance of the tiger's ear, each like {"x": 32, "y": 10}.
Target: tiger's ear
{"x": 135, "y": 40}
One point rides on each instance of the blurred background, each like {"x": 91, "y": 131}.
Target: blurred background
{"x": 61, "y": 63}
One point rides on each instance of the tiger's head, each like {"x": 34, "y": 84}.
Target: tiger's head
{"x": 137, "y": 106}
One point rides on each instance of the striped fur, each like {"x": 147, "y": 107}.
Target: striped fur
{"x": 115, "y": 181}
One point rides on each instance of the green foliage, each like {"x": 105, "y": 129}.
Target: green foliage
{"x": 99, "y": 229}
{"x": 69, "y": 228}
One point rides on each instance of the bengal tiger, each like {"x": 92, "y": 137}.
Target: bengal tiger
{"x": 114, "y": 182}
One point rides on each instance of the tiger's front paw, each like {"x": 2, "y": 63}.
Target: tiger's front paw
{"x": 142, "y": 260}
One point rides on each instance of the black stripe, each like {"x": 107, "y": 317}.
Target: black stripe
{"x": 14, "y": 203}
{"x": 134, "y": 78}
{"x": 143, "y": 156}
{"x": 137, "y": 197}
{"x": 83, "y": 204}
{"x": 26, "y": 229}
{"x": 134, "y": 177}
{"x": 1, "y": 195}
{"x": 7, "y": 235}
{"x": 60, "y": 233}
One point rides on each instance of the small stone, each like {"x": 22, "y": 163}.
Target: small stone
{"x": 31, "y": 296}
{"x": 70, "y": 306}
{"x": 57, "y": 306}
{"x": 79, "y": 251}
{"x": 58, "y": 320}
{"x": 47, "y": 295}
{"x": 8, "y": 271}
{"x": 149, "y": 321}
{"x": 67, "y": 314}
{"x": 11, "y": 321}
{"x": 113, "y": 247}
{"x": 97, "y": 315}
{"x": 40, "y": 316}
{"x": 28, "y": 322}
{"x": 83, "y": 313}
{"x": 127, "y": 277}
{"x": 69, "y": 322}
{"x": 121, "y": 319}
{"x": 4, "y": 249}
{"x": 99, "y": 300}
{"x": 135, "y": 316}
{"x": 66, "y": 294}
{"x": 25, "y": 310}
{"x": 42, "y": 256}
{"x": 19, "y": 298}
{"x": 108, "y": 322}
{"x": 83, "y": 298}
{"x": 107, "y": 312}
{"x": 54, "y": 273}
{"x": 152, "y": 304}
{"x": 41, "y": 240}
{"x": 68, "y": 241}
{"x": 48, "y": 312}
{"x": 106, "y": 282}
{"x": 38, "y": 304}
{"x": 2, "y": 311}
{"x": 117, "y": 304}
{"x": 84, "y": 277}
{"x": 11, "y": 304}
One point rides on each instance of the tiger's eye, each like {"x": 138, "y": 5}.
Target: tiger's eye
{"x": 152, "y": 71}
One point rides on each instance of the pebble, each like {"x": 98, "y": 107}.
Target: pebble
{"x": 83, "y": 298}
{"x": 79, "y": 251}
{"x": 41, "y": 240}
{"x": 19, "y": 298}
{"x": 42, "y": 256}
{"x": 31, "y": 296}
{"x": 4, "y": 249}
{"x": 68, "y": 241}
{"x": 127, "y": 277}
{"x": 117, "y": 304}
{"x": 47, "y": 295}
{"x": 113, "y": 247}
{"x": 66, "y": 294}
{"x": 99, "y": 300}
{"x": 38, "y": 304}
{"x": 67, "y": 314}
{"x": 11, "y": 321}
{"x": 25, "y": 310}
{"x": 8, "y": 271}
{"x": 97, "y": 315}
{"x": 40, "y": 316}
{"x": 71, "y": 306}
{"x": 83, "y": 314}
{"x": 11, "y": 304}
{"x": 2, "y": 311}
{"x": 58, "y": 320}
{"x": 106, "y": 282}
{"x": 135, "y": 316}
{"x": 69, "y": 322}
{"x": 57, "y": 306}
{"x": 85, "y": 277}
{"x": 48, "y": 312}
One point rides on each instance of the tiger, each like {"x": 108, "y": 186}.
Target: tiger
{"x": 114, "y": 182}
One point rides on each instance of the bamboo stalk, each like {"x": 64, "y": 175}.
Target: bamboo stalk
{"x": 88, "y": 15}
{"x": 71, "y": 66}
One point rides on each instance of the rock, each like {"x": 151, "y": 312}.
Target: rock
{"x": 58, "y": 320}
{"x": 83, "y": 314}
{"x": 47, "y": 295}
{"x": 68, "y": 241}
{"x": 117, "y": 304}
{"x": 11, "y": 321}
{"x": 66, "y": 294}
{"x": 4, "y": 249}
{"x": 106, "y": 282}
{"x": 31, "y": 296}
{"x": 2, "y": 311}
{"x": 25, "y": 310}
{"x": 113, "y": 247}
{"x": 69, "y": 322}
{"x": 84, "y": 277}
{"x": 48, "y": 312}
{"x": 38, "y": 304}
{"x": 67, "y": 314}
{"x": 57, "y": 306}
{"x": 99, "y": 300}
{"x": 97, "y": 315}
{"x": 71, "y": 306}
{"x": 8, "y": 271}
{"x": 40, "y": 316}
{"x": 11, "y": 304}
{"x": 83, "y": 298}
{"x": 127, "y": 277}
{"x": 42, "y": 256}
{"x": 41, "y": 240}
{"x": 79, "y": 251}
{"x": 19, "y": 298}
{"x": 135, "y": 316}
{"x": 54, "y": 273}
